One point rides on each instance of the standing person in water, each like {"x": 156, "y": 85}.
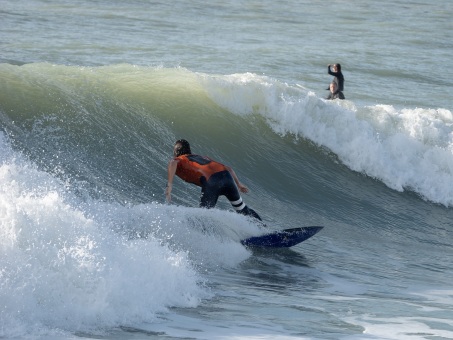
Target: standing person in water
{"x": 215, "y": 179}
{"x": 335, "y": 70}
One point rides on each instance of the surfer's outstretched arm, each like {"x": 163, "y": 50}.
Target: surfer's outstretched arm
{"x": 171, "y": 174}
{"x": 241, "y": 187}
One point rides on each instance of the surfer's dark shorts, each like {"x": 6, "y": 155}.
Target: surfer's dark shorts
{"x": 220, "y": 184}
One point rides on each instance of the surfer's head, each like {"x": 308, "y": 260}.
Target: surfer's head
{"x": 182, "y": 147}
{"x": 338, "y": 67}
{"x": 333, "y": 87}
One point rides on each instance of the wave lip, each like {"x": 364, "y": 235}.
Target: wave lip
{"x": 134, "y": 113}
{"x": 407, "y": 149}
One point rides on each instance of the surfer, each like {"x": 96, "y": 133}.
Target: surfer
{"x": 334, "y": 92}
{"x": 335, "y": 71}
{"x": 215, "y": 179}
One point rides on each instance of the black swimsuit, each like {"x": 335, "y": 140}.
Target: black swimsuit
{"x": 222, "y": 184}
{"x": 339, "y": 79}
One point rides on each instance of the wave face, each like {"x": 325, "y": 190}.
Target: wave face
{"x": 407, "y": 149}
{"x": 84, "y": 152}
{"x": 113, "y": 127}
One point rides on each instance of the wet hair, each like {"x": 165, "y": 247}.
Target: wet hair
{"x": 184, "y": 148}
{"x": 338, "y": 67}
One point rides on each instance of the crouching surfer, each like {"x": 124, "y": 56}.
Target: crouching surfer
{"x": 215, "y": 179}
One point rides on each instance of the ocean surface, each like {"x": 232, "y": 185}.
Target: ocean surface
{"x": 93, "y": 95}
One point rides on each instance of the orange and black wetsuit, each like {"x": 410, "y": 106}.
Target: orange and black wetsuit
{"x": 214, "y": 179}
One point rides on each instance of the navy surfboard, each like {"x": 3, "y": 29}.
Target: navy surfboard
{"x": 282, "y": 239}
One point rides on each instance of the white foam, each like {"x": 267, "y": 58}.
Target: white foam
{"x": 400, "y": 328}
{"x": 409, "y": 148}
{"x": 69, "y": 266}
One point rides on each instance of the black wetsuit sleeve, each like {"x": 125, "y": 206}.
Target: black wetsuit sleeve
{"x": 335, "y": 74}
{"x": 329, "y": 71}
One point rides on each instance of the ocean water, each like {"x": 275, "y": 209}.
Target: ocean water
{"x": 93, "y": 95}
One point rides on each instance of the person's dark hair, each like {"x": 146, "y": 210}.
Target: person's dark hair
{"x": 184, "y": 148}
{"x": 338, "y": 67}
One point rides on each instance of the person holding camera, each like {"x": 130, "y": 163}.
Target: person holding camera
{"x": 335, "y": 70}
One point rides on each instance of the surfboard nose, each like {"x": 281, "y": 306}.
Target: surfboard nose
{"x": 282, "y": 239}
